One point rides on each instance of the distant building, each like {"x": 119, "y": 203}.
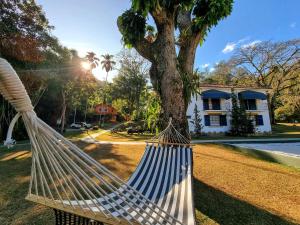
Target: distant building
{"x": 214, "y": 104}
{"x": 107, "y": 111}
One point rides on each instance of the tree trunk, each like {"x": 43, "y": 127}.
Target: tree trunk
{"x": 74, "y": 118}
{"x": 272, "y": 112}
{"x": 85, "y": 112}
{"x": 63, "y": 113}
{"x": 167, "y": 80}
{"x": 271, "y": 105}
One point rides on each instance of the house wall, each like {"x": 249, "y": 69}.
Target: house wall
{"x": 226, "y": 105}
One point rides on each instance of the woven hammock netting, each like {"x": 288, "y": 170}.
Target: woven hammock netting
{"x": 63, "y": 177}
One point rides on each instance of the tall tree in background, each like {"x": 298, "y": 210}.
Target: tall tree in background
{"x": 197, "y": 121}
{"x": 271, "y": 65}
{"x": 131, "y": 80}
{"x": 171, "y": 73}
{"x": 25, "y": 34}
{"x": 92, "y": 59}
{"x": 107, "y": 64}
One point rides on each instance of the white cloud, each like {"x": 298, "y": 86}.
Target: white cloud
{"x": 293, "y": 25}
{"x": 204, "y": 66}
{"x": 251, "y": 44}
{"x": 243, "y": 40}
{"x": 212, "y": 69}
{"x": 229, "y": 47}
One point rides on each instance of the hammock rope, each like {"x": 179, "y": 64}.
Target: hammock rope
{"x": 170, "y": 135}
{"x": 65, "y": 178}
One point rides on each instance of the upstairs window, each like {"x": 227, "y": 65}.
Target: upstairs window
{"x": 206, "y": 104}
{"x": 215, "y": 103}
{"x": 249, "y": 104}
{"x": 211, "y": 104}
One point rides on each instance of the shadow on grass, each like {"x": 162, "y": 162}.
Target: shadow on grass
{"x": 14, "y": 173}
{"x": 109, "y": 156}
{"x": 285, "y": 128}
{"x": 227, "y": 210}
{"x": 292, "y": 162}
{"x": 251, "y": 152}
{"x": 131, "y": 137}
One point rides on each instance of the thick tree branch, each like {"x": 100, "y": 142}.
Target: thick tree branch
{"x": 145, "y": 49}
{"x": 189, "y": 41}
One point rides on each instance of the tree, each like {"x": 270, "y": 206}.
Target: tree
{"x": 197, "y": 121}
{"x": 191, "y": 20}
{"x": 107, "y": 63}
{"x": 25, "y": 36}
{"x": 153, "y": 112}
{"x": 271, "y": 65}
{"x": 222, "y": 74}
{"x": 289, "y": 105}
{"x": 92, "y": 59}
{"x": 241, "y": 124}
{"x": 131, "y": 80}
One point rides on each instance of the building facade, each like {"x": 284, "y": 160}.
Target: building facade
{"x": 106, "y": 110}
{"x": 214, "y": 105}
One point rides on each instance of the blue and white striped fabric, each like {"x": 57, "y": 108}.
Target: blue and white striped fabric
{"x": 164, "y": 176}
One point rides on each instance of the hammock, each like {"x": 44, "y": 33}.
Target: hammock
{"x": 68, "y": 180}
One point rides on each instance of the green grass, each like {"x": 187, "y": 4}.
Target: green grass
{"x": 281, "y": 130}
{"x": 287, "y": 128}
{"x": 123, "y": 136}
{"x": 230, "y": 188}
{"x": 268, "y": 156}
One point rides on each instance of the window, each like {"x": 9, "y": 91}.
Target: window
{"x": 205, "y": 104}
{"x": 211, "y": 104}
{"x": 249, "y": 104}
{"x": 259, "y": 121}
{"x": 214, "y": 120}
{"x": 215, "y": 102}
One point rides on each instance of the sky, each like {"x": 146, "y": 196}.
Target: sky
{"x": 90, "y": 25}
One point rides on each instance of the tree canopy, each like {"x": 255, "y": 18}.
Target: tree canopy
{"x": 184, "y": 24}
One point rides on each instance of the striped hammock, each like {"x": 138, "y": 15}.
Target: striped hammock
{"x": 66, "y": 179}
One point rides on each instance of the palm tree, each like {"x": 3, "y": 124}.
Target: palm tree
{"x": 92, "y": 59}
{"x": 107, "y": 63}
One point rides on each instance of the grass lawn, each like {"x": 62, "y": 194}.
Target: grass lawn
{"x": 280, "y": 130}
{"x": 287, "y": 129}
{"x": 123, "y": 136}
{"x": 230, "y": 187}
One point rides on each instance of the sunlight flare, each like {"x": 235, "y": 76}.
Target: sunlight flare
{"x": 85, "y": 65}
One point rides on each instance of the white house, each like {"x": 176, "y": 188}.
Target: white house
{"x": 214, "y": 104}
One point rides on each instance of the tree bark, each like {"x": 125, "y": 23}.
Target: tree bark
{"x": 167, "y": 68}
{"x": 272, "y": 110}
{"x": 166, "y": 79}
{"x": 63, "y": 113}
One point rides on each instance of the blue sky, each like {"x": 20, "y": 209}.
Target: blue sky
{"x": 90, "y": 25}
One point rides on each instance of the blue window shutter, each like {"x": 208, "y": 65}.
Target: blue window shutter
{"x": 259, "y": 120}
{"x": 206, "y": 120}
{"x": 223, "y": 120}
{"x": 216, "y": 105}
{"x": 205, "y": 104}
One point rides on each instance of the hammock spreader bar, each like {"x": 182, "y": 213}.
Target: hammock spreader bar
{"x": 65, "y": 178}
